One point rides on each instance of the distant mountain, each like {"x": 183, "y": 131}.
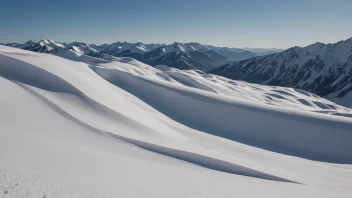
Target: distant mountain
{"x": 177, "y": 55}
{"x": 118, "y": 48}
{"x": 323, "y": 69}
{"x": 263, "y": 51}
{"x": 185, "y": 56}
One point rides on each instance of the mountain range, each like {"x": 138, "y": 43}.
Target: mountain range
{"x": 177, "y": 55}
{"x": 323, "y": 69}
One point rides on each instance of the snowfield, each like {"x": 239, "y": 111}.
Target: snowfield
{"x": 77, "y": 126}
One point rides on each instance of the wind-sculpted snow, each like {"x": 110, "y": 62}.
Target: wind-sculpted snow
{"x": 23, "y": 72}
{"x": 238, "y": 120}
{"x": 88, "y": 127}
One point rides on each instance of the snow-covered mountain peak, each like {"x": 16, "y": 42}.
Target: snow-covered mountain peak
{"x": 314, "y": 48}
{"x": 320, "y": 68}
{"x": 30, "y": 42}
{"x": 50, "y": 43}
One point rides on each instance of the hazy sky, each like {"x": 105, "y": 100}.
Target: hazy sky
{"x": 231, "y": 23}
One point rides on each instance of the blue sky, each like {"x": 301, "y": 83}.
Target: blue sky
{"x": 231, "y": 23}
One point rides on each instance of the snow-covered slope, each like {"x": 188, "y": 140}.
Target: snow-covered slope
{"x": 323, "y": 69}
{"x": 88, "y": 127}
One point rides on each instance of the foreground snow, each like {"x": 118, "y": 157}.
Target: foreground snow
{"x": 87, "y": 127}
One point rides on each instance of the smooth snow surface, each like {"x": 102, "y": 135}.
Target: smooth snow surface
{"x": 87, "y": 127}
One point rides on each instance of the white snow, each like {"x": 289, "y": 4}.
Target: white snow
{"x": 182, "y": 47}
{"x": 51, "y": 43}
{"x": 87, "y": 127}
